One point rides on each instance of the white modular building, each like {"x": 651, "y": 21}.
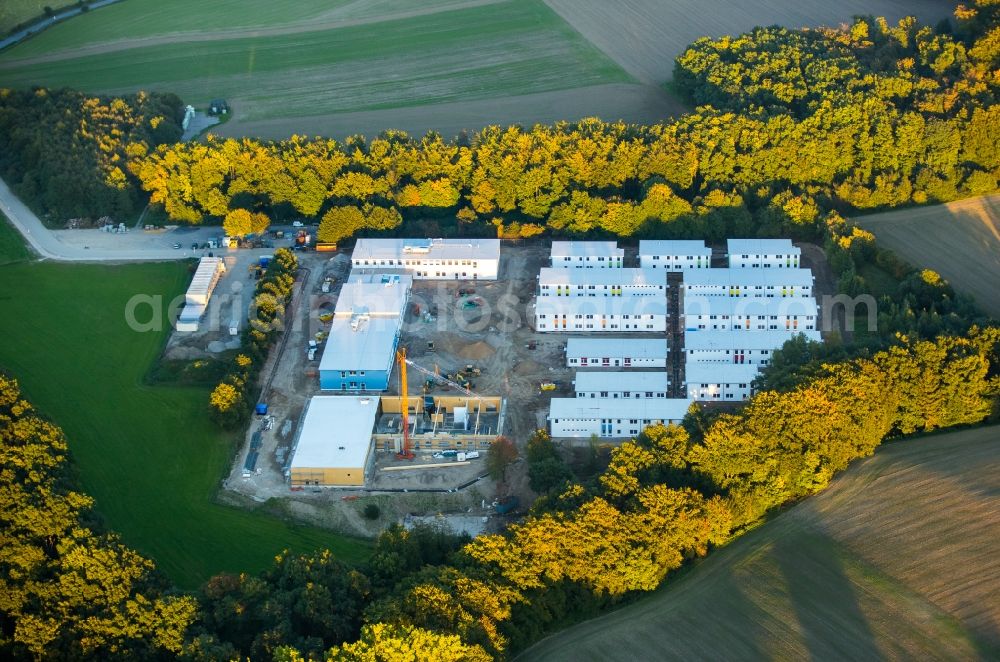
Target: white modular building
{"x": 763, "y": 254}
{"x": 735, "y": 282}
{"x": 749, "y": 314}
{"x": 431, "y": 259}
{"x": 674, "y": 255}
{"x": 334, "y": 444}
{"x": 737, "y": 346}
{"x": 633, "y": 384}
{"x": 719, "y": 381}
{"x": 610, "y": 418}
{"x": 557, "y": 282}
{"x": 597, "y": 315}
{"x": 587, "y": 254}
{"x": 206, "y": 277}
{"x": 361, "y": 346}
{"x": 616, "y": 353}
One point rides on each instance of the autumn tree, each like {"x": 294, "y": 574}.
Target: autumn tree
{"x": 501, "y": 455}
{"x": 69, "y": 591}
{"x": 240, "y": 223}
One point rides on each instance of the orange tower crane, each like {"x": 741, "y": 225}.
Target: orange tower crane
{"x": 406, "y": 453}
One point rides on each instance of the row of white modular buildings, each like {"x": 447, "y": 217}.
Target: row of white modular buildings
{"x": 677, "y": 254}
{"x": 733, "y": 319}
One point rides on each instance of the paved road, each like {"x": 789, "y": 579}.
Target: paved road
{"x": 18, "y": 37}
{"x": 96, "y": 246}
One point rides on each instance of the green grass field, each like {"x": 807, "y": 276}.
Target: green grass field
{"x": 13, "y": 12}
{"x": 148, "y": 455}
{"x": 509, "y": 48}
{"x": 896, "y": 560}
{"x": 12, "y": 248}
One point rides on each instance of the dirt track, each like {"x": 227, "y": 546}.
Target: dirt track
{"x": 640, "y": 104}
{"x": 329, "y": 21}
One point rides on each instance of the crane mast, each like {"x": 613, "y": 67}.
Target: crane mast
{"x": 406, "y": 453}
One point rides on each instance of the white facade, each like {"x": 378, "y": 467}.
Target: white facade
{"x": 431, "y": 259}
{"x": 733, "y": 282}
{"x": 635, "y": 384}
{"x": 587, "y": 254}
{"x": 737, "y": 346}
{"x": 600, "y": 315}
{"x": 558, "y": 282}
{"x": 719, "y": 381}
{"x": 616, "y": 353}
{"x": 749, "y": 314}
{"x": 763, "y": 254}
{"x": 612, "y": 418}
{"x": 674, "y": 255}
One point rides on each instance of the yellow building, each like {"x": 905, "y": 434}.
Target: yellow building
{"x": 334, "y": 445}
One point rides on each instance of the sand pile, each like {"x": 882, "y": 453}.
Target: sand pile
{"x": 476, "y": 351}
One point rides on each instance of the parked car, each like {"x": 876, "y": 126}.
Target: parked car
{"x": 297, "y": 224}
{"x": 177, "y": 246}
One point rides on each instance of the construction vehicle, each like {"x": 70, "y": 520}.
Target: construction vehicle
{"x": 548, "y": 386}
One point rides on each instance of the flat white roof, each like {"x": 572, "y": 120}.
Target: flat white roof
{"x": 192, "y": 312}
{"x": 729, "y": 277}
{"x": 557, "y": 276}
{"x": 761, "y": 247}
{"x": 663, "y": 409}
{"x": 634, "y": 380}
{"x": 757, "y": 306}
{"x": 624, "y": 305}
{"x": 361, "y": 343}
{"x": 720, "y": 373}
{"x": 586, "y": 248}
{"x": 430, "y": 249}
{"x": 680, "y": 247}
{"x": 637, "y": 348}
{"x": 750, "y": 340}
{"x": 336, "y": 432}
{"x": 204, "y": 275}
{"x": 374, "y": 294}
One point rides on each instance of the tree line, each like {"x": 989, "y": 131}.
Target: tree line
{"x": 791, "y": 123}
{"x": 67, "y": 154}
{"x": 232, "y": 399}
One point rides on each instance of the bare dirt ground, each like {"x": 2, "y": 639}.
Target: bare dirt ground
{"x": 896, "y": 560}
{"x": 644, "y": 36}
{"x": 959, "y": 240}
{"x": 636, "y": 104}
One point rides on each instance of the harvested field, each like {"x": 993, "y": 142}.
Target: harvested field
{"x": 960, "y": 240}
{"x": 644, "y": 36}
{"x": 896, "y": 560}
{"x": 636, "y": 104}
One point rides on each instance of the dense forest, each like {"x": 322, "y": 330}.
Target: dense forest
{"x": 664, "y": 498}
{"x": 66, "y": 153}
{"x": 795, "y": 128}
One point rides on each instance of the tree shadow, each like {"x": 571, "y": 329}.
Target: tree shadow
{"x": 830, "y": 619}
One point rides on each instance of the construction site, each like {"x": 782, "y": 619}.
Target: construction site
{"x": 445, "y": 366}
